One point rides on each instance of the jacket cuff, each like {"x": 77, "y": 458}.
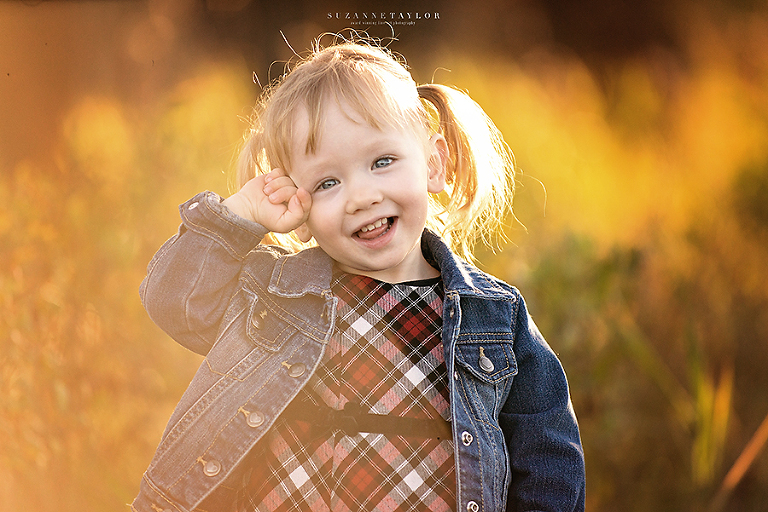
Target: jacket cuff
{"x": 206, "y": 215}
{"x": 150, "y": 500}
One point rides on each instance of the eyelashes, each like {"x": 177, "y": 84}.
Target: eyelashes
{"x": 326, "y": 184}
{"x": 383, "y": 162}
{"x": 379, "y": 163}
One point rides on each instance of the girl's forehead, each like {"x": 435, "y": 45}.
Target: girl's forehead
{"x": 303, "y": 129}
{"x": 308, "y": 127}
{"x": 332, "y": 111}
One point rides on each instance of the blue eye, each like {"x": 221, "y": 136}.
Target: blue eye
{"x": 326, "y": 184}
{"x": 383, "y": 162}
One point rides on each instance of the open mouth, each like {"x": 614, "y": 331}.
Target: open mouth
{"x": 375, "y": 229}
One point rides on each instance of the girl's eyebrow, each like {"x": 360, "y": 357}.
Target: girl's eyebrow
{"x": 381, "y": 144}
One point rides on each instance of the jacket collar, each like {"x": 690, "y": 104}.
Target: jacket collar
{"x": 308, "y": 271}
{"x": 459, "y": 276}
{"x": 311, "y": 271}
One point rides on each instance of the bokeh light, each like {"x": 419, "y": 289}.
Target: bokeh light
{"x": 642, "y": 145}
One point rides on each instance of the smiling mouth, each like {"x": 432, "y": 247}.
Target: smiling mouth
{"x": 375, "y": 229}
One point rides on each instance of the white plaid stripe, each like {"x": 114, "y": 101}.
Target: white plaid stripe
{"x": 397, "y": 359}
{"x": 386, "y": 355}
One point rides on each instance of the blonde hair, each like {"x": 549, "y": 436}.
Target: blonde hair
{"x": 376, "y": 84}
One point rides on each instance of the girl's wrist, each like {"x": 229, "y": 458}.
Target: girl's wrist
{"x": 238, "y": 206}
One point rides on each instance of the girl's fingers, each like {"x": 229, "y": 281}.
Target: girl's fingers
{"x": 272, "y": 200}
{"x": 298, "y": 208}
{"x": 282, "y": 195}
{"x": 305, "y": 199}
{"x": 278, "y": 182}
{"x": 274, "y": 173}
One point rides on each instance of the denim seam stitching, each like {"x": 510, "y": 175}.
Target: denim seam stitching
{"x": 467, "y": 400}
{"x": 287, "y": 316}
{"x": 189, "y": 470}
{"x": 211, "y": 196}
{"x": 156, "y": 259}
{"x": 213, "y": 235}
{"x": 157, "y": 491}
{"x": 233, "y": 418}
{"x": 509, "y": 365}
{"x": 187, "y": 315}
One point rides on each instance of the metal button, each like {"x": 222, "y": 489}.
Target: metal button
{"x": 255, "y": 419}
{"x": 295, "y": 370}
{"x": 258, "y": 317}
{"x": 193, "y": 205}
{"x": 466, "y": 438}
{"x": 485, "y": 364}
{"x": 456, "y": 375}
{"x": 212, "y": 468}
{"x": 472, "y": 506}
{"x": 450, "y": 313}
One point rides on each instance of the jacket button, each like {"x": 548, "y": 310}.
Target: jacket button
{"x": 257, "y": 318}
{"x": 485, "y": 364}
{"x": 255, "y": 419}
{"x": 193, "y": 205}
{"x": 211, "y": 468}
{"x": 472, "y": 506}
{"x": 466, "y": 439}
{"x": 295, "y": 370}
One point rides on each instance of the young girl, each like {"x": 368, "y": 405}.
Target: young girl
{"x": 373, "y": 369}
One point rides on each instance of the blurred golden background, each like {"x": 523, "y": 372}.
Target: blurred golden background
{"x": 641, "y": 134}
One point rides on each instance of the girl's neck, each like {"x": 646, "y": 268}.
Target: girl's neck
{"x": 417, "y": 270}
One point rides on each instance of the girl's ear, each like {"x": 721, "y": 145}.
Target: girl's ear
{"x": 303, "y": 232}
{"x": 438, "y": 159}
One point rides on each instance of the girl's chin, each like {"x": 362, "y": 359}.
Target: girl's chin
{"x": 393, "y": 271}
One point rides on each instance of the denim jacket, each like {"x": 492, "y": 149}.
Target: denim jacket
{"x": 262, "y": 317}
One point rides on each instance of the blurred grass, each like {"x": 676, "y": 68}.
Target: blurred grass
{"x": 87, "y": 381}
{"x": 644, "y": 196}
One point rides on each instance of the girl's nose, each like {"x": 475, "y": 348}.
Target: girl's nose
{"x": 362, "y": 193}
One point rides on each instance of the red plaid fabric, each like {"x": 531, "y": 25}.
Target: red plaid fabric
{"x": 387, "y": 355}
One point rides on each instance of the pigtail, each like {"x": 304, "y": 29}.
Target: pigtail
{"x": 479, "y": 174}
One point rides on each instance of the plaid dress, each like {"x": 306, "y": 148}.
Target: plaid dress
{"x": 387, "y": 355}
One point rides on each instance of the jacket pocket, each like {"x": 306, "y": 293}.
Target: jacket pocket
{"x": 235, "y": 357}
{"x": 487, "y": 356}
{"x": 244, "y": 345}
{"x": 264, "y": 327}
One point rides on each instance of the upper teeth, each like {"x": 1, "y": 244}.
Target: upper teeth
{"x": 375, "y": 225}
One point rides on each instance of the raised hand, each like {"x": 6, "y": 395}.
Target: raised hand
{"x": 272, "y": 200}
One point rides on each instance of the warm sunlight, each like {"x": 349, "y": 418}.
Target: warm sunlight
{"x": 642, "y": 182}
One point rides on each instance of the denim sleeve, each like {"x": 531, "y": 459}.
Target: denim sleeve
{"x": 192, "y": 277}
{"x": 539, "y": 424}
